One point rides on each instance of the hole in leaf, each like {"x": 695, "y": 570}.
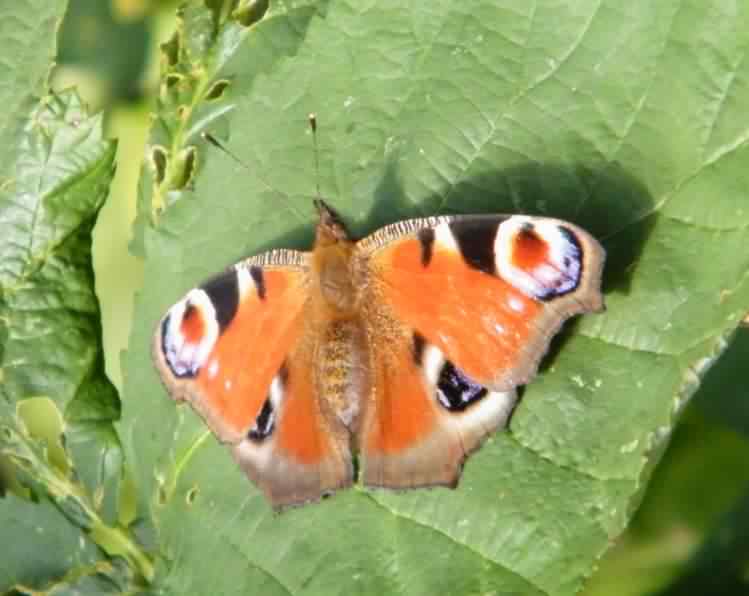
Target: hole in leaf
{"x": 44, "y": 422}
{"x": 171, "y": 48}
{"x": 249, "y": 13}
{"x": 159, "y": 162}
{"x": 185, "y": 168}
{"x": 173, "y": 79}
{"x": 191, "y": 494}
{"x": 217, "y": 90}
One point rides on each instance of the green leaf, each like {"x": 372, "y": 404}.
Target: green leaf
{"x": 57, "y": 407}
{"x": 50, "y": 317}
{"x": 27, "y": 42}
{"x": 54, "y": 176}
{"x": 702, "y": 478}
{"x": 628, "y": 120}
{"x": 45, "y": 544}
{"x": 57, "y": 440}
{"x": 193, "y": 96}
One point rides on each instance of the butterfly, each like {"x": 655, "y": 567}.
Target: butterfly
{"x": 401, "y": 351}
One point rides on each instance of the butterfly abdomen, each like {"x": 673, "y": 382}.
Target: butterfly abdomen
{"x": 341, "y": 370}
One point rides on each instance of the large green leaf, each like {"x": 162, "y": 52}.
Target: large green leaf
{"x": 702, "y": 478}
{"x": 55, "y": 548}
{"x": 27, "y": 30}
{"x": 56, "y": 405}
{"x": 59, "y": 452}
{"x": 625, "y": 119}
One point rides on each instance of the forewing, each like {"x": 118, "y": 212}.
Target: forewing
{"x": 488, "y": 291}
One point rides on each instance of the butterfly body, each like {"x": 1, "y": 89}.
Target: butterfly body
{"x": 403, "y": 348}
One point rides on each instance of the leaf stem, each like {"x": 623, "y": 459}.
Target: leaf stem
{"x": 71, "y": 498}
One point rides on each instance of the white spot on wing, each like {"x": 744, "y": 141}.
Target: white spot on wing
{"x": 213, "y": 369}
{"x": 432, "y": 362}
{"x": 516, "y": 304}
{"x": 444, "y": 238}
{"x": 245, "y": 283}
{"x": 503, "y": 246}
{"x": 228, "y": 384}
{"x": 276, "y": 392}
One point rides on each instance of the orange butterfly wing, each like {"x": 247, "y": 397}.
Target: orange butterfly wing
{"x": 295, "y": 453}
{"x": 407, "y": 439}
{"x": 471, "y": 304}
{"x": 238, "y": 349}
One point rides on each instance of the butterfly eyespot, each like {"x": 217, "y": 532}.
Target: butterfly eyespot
{"x": 456, "y": 391}
{"x": 542, "y": 259}
{"x": 188, "y": 333}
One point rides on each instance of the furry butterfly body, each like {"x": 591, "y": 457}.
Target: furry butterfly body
{"x": 404, "y": 348}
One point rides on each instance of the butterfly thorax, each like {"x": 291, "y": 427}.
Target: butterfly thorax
{"x": 332, "y": 272}
{"x": 332, "y": 259}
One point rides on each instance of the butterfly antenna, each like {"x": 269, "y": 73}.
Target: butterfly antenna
{"x": 219, "y": 145}
{"x": 313, "y": 127}
{"x": 206, "y": 136}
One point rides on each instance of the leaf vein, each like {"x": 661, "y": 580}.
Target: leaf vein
{"x": 452, "y": 539}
